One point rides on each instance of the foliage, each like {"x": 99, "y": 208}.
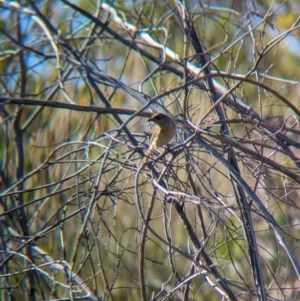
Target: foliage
{"x": 212, "y": 216}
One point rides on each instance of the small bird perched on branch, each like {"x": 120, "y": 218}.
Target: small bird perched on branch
{"x": 163, "y": 133}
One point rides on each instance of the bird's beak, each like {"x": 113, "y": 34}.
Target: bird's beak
{"x": 150, "y": 119}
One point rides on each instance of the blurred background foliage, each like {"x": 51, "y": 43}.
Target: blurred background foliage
{"x": 82, "y": 216}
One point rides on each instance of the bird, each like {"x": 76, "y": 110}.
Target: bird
{"x": 163, "y": 133}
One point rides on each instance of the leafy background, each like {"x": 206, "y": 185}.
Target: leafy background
{"x": 215, "y": 215}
